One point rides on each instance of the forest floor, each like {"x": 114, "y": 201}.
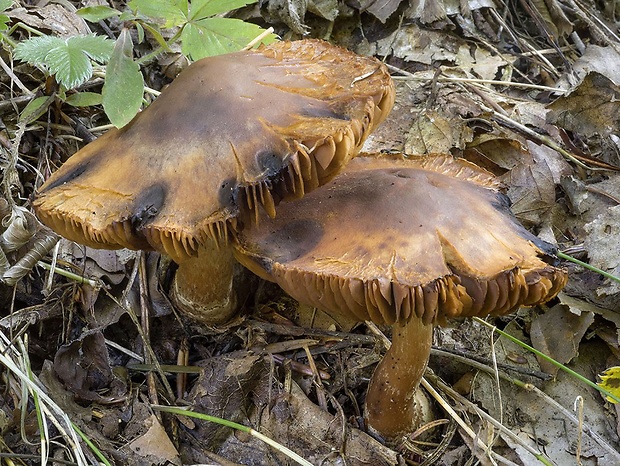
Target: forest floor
{"x": 529, "y": 90}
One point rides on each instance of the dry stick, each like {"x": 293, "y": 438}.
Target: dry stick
{"x": 14, "y": 78}
{"x": 316, "y": 378}
{"x": 578, "y": 406}
{"x": 289, "y": 330}
{"x": 506, "y": 121}
{"x": 147, "y": 348}
{"x": 581, "y": 13}
{"x": 411, "y": 76}
{"x": 182, "y": 360}
{"x": 258, "y": 38}
{"x": 146, "y": 329}
{"x": 482, "y": 364}
{"x": 532, "y": 49}
{"x": 468, "y": 430}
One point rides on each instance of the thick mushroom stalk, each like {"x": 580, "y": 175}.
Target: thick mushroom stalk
{"x": 390, "y": 401}
{"x": 408, "y": 243}
{"x": 211, "y": 287}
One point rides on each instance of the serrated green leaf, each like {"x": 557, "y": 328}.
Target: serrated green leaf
{"x": 98, "y": 48}
{"x": 70, "y": 65}
{"x": 124, "y": 86}
{"x": 201, "y": 9}
{"x": 35, "y": 109}
{"x": 216, "y": 36}
{"x": 95, "y": 14}
{"x": 35, "y": 49}
{"x": 84, "y": 99}
{"x": 171, "y": 12}
{"x": 68, "y": 59}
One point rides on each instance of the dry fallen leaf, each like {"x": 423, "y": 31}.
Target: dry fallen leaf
{"x": 557, "y": 333}
{"x": 154, "y": 446}
{"x": 602, "y": 242}
{"x": 84, "y": 367}
{"x": 592, "y": 108}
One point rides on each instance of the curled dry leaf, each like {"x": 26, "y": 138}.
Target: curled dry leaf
{"x": 84, "y": 367}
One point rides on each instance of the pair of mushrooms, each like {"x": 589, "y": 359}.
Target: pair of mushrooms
{"x": 402, "y": 242}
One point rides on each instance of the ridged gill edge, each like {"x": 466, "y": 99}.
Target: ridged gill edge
{"x": 450, "y": 296}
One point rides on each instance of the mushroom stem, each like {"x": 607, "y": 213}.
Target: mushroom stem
{"x": 390, "y": 405}
{"x": 211, "y": 286}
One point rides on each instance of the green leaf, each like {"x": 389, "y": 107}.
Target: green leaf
{"x": 35, "y": 49}
{"x": 35, "y": 109}
{"x": 4, "y": 20}
{"x": 68, "y": 59}
{"x": 172, "y": 12}
{"x": 84, "y": 99}
{"x": 98, "y": 48}
{"x": 124, "y": 85}
{"x": 5, "y": 4}
{"x": 201, "y": 9}
{"x": 94, "y": 14}
{"x": 155, "y": 32}
{"x": 70, "y": 65}
{"x": 216, "y": 36}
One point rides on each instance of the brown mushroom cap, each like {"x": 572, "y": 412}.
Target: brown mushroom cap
{"x": 391, "y": 239}
{"x": 408, "y": 243}
{"x": 246, "y": 128}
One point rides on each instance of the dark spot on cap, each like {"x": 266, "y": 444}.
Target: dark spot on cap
{"x": 148, "y": 205}
{"x": 72, "y": 174}
{"x": 227, "y": 194}
{"x": 295, "y": 239}
{"x": 269, "y": 163}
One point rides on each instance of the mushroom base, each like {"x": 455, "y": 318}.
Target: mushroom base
{"x": 391, "y": 406}
{"x": 211, "y": 287}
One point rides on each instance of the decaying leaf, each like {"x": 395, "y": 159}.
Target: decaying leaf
{"x": 591, "y": 108}
{"x": 602, "y": 243}
{"x": 532, "y": 188}
{"x": 415, "y": 44}
{"x": 553, "y": 17}
{"x": 84, "y": 367}
{"x": 59, "y": 18}
{"x": 603, "y": 60}
{"x": 557, "y": 333}
{"x": 155, "y": 445}
{"x": 238, "y": 387}
{"x": 433, "y": 133}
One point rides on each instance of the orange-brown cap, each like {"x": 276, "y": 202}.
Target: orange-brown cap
{"x": 390, "y": 239}
{"x": 235, "y": 130}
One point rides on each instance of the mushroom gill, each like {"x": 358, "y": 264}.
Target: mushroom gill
{"x": 404, "y": 242}
{"x": 247, "y": 128}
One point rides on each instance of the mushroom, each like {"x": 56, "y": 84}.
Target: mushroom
{"x": 408, "y": 243}
{"x": 231, "y": 132}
